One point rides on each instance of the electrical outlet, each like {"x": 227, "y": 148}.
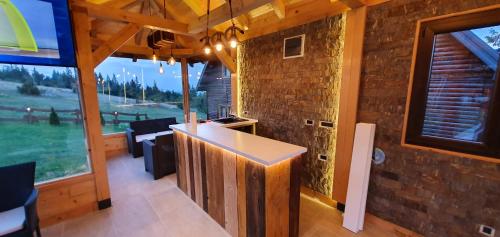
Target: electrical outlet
{"x": 487, "y": 230}
{"x": 309, "y": 122}
{"x": 326, "y": 124}
{"x": 322, "y": 157}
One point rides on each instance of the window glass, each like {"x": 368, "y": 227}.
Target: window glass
{"x": 41, "y": 120}
{"x": 130, "y": 91}
{"x": 461, "y": 84}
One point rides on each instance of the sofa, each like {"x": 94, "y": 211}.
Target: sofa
{"x": 18, "y": 201}
{"x": 159, "y": 156}
{"x": 145, "y": 127}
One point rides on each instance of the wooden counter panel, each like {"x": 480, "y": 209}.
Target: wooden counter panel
{"x": 244, "y": 197}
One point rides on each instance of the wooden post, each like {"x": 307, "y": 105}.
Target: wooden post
{"x": 90, "y": 105}
{"x": 234, "y": 94}
{"x": 349, "y": 91}
{"x": 185, "y": 88}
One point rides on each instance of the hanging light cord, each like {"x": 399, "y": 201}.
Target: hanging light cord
{"x": 164, "y": 9}
{"x": 231, "y": 11}
{"x": 208, "y": 14}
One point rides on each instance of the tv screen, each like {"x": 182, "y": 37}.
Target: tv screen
{"x": 36, "y": 32}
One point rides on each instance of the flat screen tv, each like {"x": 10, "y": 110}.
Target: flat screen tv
{"x": 36, "y": 32}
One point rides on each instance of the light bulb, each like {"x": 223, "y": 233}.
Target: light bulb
{"x": 233, "y": 43}
{"x": 171, "y": 61}
{"x": 161, "y": 69}
{"x": 207, "y": 49}
{"x": 154, "y": 58}
{"x": 218, "y": 46}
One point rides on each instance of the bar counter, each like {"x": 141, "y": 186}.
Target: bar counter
{"x": 248, "y": 184}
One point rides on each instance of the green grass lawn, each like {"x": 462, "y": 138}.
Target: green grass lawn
{"x": 60, "y": 150}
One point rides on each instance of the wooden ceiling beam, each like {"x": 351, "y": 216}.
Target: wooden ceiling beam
{"x": 296, "y": 14}
{"x": 152, "y": 22}
{"x": 279, "y": 8}
{"x": 145, "y": 51}
{"x": 226, "y": 59}
{"x": 221, "y": 14}
{"x": 353, "y": 4}
{"x": 121, "y": 4}
{"x": 114, "y": 43}
{"x": 145, "y": 5}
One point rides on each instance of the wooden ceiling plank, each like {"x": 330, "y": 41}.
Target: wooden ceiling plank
{"x": 279, "y": 8}
{"x": 297, "y": 14}
{"x": 145, "y": 5}
{"x": 222, "y": 14}
{"x": 152, "y": 22}
{"x": 353, "y": 4}
{"x": 121, "y": 4}
{"x": 114, "y": 43}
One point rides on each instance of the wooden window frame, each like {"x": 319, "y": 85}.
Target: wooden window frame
{"x": 488, "y": 150}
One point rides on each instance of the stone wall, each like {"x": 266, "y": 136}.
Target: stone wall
{"x": 433, "y": 194}
{"x": 282, "y": 93}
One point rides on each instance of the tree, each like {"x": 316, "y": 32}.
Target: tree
{"x": 54, "y": 118}
{"x": 103, "y": 121}
{"x": 28, "y": 88}
{"x": 493, "y": 38}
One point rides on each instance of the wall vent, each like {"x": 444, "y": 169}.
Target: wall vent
{"x": 309, "y": 122}
{"x": 293, "y": 47}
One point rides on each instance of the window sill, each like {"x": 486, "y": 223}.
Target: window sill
{"x": 452, "y": 153}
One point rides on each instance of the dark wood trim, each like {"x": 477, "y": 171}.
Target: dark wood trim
{"x": 203, "y": 163}
{"x": 490, "y": 145}
{"x": 191, "y": 167}
{"x": 255, "y": 179}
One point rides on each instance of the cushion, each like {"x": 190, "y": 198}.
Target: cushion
{"x": 12, "y": 220}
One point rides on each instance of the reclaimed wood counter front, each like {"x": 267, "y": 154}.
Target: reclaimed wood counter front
{"x": 249, "y": 184}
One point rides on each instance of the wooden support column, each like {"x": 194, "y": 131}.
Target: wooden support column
{"x": 185, "y": 88}
{"x": 349, "y": 92}
{"x": 90, "y": 105}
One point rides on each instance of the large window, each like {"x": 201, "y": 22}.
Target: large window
{"x": 455, "y": 99}
{"x": 41, "y": 120}
{"x": 136, "y": 90}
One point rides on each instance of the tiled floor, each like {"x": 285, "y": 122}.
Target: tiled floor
{"x": 143, "y": 207}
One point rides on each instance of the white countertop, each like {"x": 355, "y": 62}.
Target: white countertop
{"x": 256, "y": 148}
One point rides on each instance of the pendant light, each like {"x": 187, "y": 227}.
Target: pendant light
{"x": 218, "y": 42}
{"x": 161, "y": 68}
{"x": 154, "y": 57}
{"x": 232, "y": 30}
{"x": 171, "y": 60}
{"x": 206, "y": 47}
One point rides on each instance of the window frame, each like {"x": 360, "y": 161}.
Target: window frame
{"x": 418, "y": 88}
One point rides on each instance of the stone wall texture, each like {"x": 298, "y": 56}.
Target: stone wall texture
{"x": 430, "y": 193}
{"x": 282, "y": 93}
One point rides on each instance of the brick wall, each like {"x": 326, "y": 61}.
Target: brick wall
{"x": 433, "y": 194}
{"x": 281, "y": 94}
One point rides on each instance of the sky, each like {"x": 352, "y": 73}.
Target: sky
{"x": 483, "y": 32}
{"x": 171, "y": 79}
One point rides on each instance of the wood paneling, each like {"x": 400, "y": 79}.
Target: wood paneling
{"x": 230, "y": 193}
{"x": 349, "y": 92}
{"x": 115, "y": 144}
{"x": 255, "y": 181}
{"x": 277, "y": 217}
{"x": 244, "y": 197}
{"x": 215, "y": 183}
{"x": 64, "y": 199}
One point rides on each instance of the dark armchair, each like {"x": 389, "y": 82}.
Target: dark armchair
{"x": 145, "y": 127}
{"x": 18, "y": 213}
{"x": 159, "y": 156}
